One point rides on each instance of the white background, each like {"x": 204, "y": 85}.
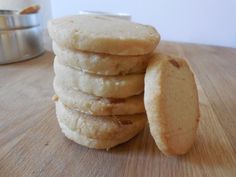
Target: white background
{"x": 196, "y": 21}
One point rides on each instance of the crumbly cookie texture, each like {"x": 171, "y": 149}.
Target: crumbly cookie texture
{"x": 104, "y": 131}
{"x": 99, "y": 106}
{"x": 171, "y": 103}
{"x": 101, "y": 64}
{"x": 121, "y": 86}
{"x": 103, "y": 35}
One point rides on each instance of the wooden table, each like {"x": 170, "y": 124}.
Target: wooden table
{"x": 31, "y": 143}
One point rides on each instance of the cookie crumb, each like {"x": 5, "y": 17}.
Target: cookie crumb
{"x": 55, "y": 98}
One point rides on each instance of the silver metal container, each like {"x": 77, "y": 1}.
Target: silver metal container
{"x": 21, "y": 36}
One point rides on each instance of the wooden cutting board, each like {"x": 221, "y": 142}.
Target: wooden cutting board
{"x": 31, "y": 143}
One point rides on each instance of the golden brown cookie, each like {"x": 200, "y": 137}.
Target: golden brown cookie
{"x": 171, "y": 103}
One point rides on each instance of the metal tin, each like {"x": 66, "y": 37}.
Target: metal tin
{"x": 20, "y": 44}
{"x": 11, "y": 20}
{"x": 21, "y": 37}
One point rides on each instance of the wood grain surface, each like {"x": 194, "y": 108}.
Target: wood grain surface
{"x": 31, "y": 143}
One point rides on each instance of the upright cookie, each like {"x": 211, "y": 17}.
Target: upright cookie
{"x": 103, "y": 35}
{"x": 171, "y": 103}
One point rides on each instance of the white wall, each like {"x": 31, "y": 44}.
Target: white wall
{"x": 197, "y": 21}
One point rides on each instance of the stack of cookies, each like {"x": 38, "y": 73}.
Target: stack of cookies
{"x": 99, "y": 77}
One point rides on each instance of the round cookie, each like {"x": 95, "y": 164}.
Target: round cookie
{"x": 102, "y": 86}
{"x": 103, "y": 35}
{"x": 99, "y": 127}
{"x": 171, "y": 103}
{"x": 101, "y": 64}
{"x": 93, "y": 143}
{"x": 107, "y": 128}
{"x": 98, "y": 105}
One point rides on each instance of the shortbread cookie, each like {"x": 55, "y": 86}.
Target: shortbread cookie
{"x": 103, "y": 86}
{"x": 98, "y": 105}
{"x": 93, "y": 143}
{"x": 171, "y": 103}
{"x": 100, "y": 127}
{"x": 103, "y": 35}
{"x": 101, "y": 64}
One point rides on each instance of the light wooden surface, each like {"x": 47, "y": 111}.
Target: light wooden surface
{"x": 31, "y": 143}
